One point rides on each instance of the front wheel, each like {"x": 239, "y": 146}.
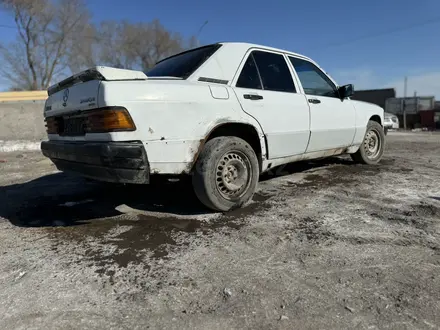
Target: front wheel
{"x": 226, "y": 173}
{"x": 371, "y": 150}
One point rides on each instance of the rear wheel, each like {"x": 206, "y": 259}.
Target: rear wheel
{"x": 226, "y": 173}
{"x": 371, "y": 150}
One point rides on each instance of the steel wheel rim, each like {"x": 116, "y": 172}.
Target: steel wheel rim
{"x": 233, "y": 175}
{"x": 372, "y": 143}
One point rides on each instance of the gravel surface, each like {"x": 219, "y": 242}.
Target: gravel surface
{"x": 325, "y": 245}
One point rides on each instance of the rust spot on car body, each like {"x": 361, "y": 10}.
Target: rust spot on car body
{"x": 195, "y": 152}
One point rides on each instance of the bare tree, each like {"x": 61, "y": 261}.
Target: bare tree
{"x": 112, "y": 46}
{"x": 137, "y": 46}
{"x": 47, "y": 32}
{"x": 159, "y": 44}
{"x": 56, "y": 38}
{"x": 83, "y": 48}
{"x": 193, "y": 42}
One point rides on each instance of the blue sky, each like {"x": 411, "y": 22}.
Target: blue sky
{"x": 331, "y": 32}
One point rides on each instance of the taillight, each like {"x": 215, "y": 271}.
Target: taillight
{"x": 104, "y": 120}
{"x": 109, "y": 120}
{"x": 51, "y": 125}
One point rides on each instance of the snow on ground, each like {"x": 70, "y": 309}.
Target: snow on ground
{"x": 19, "y": 145}
{"x": 326, "y": 245}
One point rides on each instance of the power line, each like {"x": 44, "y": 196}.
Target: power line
{"x": 84, "y": 36}
{"x": 8, "y": 26}
{"x": 402, "y": 28}
{"x": 96, "y": 38}
{"x": 367, "y": 36}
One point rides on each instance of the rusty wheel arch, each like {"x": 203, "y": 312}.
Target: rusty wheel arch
{"x": 242, "y": 130}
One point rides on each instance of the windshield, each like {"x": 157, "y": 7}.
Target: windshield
{"x": 184, "y": 64}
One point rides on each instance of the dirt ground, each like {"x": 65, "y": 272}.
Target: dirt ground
{"x": 325, "y": 245}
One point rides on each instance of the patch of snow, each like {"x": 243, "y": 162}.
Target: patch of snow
{"x": 19, "y": 145}
{"x": 123, "y": 208}
{"x": 116, "y": 231}
{"x": 20, "y": 275}
{"x": 70, "y": 204}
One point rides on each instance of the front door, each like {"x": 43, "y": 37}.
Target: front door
{"x": 266, "y": 90}
{"x": 332, "y": 120}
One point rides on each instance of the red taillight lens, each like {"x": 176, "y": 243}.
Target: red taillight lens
{"x": 51, "y": 125}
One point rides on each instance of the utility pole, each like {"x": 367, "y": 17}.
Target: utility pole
{"x": 416, "y": 102}
{"x": 198, "y": 32}
{"x": 404, "y": 102}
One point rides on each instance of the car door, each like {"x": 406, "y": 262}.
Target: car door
{"x": 332, "y": 120}
{"x": 266, "y": 90}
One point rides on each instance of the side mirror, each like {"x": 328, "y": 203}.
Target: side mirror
{"x": 346, "y": 91}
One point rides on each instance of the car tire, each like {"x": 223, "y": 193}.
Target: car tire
{"x": 226, "y": 173}
{"x": 371, "y": 150}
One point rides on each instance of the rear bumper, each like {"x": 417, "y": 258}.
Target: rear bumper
{"x": 121, "y": 162}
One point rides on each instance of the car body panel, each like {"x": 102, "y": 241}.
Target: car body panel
{"x": 174, "y": 117}
{"x": 284, "y": 117}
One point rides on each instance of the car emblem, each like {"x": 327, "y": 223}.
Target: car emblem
{"x": 65, "y": 96}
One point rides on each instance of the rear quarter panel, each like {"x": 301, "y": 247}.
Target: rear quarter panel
{"x": 173, "y": 118}
{"x": 164, "y": 110}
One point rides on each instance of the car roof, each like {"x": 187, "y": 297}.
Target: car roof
{"x": 244, "y": 45}
{"x": 224, "y": 63}
{"x": 248, "y": 45}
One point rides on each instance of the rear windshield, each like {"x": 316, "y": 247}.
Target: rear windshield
{"x": 184, "y": 64}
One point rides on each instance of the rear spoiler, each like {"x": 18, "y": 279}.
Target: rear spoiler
{"x": 97, "y": 73}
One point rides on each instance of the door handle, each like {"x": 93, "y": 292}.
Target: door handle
{"x": 314, "y": 101}
{"x": 252, "y": 97}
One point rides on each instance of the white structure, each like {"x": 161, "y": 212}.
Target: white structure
{"x": 391, "y": 121}
{"x": 412, "y": 105}
{"x": 223, "y": 113}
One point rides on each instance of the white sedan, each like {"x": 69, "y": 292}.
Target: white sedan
{"x": 222, "y": 113}
{"x": 390, "y": 121}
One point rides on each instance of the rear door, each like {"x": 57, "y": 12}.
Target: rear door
{"x": 332, "y": 120}
{"x": 266, "y": 90}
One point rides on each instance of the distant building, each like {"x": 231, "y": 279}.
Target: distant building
{"x": 420, "y": 111}
{"x": 376, "y": 96}
{"x": 412, "y": 105}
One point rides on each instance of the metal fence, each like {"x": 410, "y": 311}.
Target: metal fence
{"x": 412, "y": 105}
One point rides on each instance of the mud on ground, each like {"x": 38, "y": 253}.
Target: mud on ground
{"x": 325, "y": 244}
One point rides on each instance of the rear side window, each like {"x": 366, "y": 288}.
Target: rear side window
{"x": 249, "y": 77}
{"x": 274, "y": 72}
{"x": 313, "y": 80}
{"x": 267, "y": 71}
{"x": 184, "y": 64}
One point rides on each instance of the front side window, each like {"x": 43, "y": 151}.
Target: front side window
{"x": 313, "y": 80}
{"x": 184, "y": 64}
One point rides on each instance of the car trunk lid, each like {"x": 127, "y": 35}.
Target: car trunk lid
{"x": 80, "y": 92}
